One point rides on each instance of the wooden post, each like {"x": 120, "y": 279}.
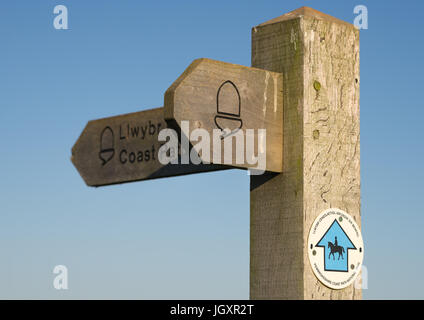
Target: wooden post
{"x": 319, "y": 58}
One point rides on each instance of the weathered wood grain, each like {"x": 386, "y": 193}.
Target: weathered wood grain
{"x": 124, "y": 149}
{"x": 319, "y": 58}
{"x": 216, "y": 95}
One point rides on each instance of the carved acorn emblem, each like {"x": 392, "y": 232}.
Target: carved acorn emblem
{"x": 228, "y": 105}
{"x": 107, "y": 150}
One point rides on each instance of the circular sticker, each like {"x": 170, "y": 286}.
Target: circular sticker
{"x": 335, "y": 248}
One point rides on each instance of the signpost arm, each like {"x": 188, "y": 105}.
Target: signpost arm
{"x": 319, "y": 58}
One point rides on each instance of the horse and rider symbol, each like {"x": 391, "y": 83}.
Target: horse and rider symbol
{"x": 335, "y": 248}
{"x": 336, "y": 244}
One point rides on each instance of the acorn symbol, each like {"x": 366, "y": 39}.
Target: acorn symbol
{"x": 107, "y": 150}
{"x": 228, "y": 107}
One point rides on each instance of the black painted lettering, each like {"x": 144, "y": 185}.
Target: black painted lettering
{"x": 121, "y": 137}
{"x": 143, "y": 131}
{"x": 146, "y": 155}
{"x": 153, "y": 152}
{"x": 151, "y": 126}
{"x": 135, "y": 131}
{"x": 123, "y": 160}
{"x": 131, "y": 157}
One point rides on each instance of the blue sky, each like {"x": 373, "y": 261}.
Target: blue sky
{"x": 184, "y": 237}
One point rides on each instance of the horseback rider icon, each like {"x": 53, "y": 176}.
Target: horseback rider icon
{"x": 335, "y": 248}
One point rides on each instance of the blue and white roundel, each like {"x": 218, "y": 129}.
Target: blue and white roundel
{"x": 335, "y": 248}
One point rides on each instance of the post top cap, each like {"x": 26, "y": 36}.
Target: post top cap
{"x": 304, "y": 11}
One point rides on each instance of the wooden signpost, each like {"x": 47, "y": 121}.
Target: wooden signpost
{"x": 319, "y": 58}
{"x": 126, "y": 148}
{"x": 209, "y": 95}
{"x": 303, "y": 90}
{"x": 214, "y": 95}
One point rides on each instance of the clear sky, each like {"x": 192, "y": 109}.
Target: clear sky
{"x": 183, "y": 237}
